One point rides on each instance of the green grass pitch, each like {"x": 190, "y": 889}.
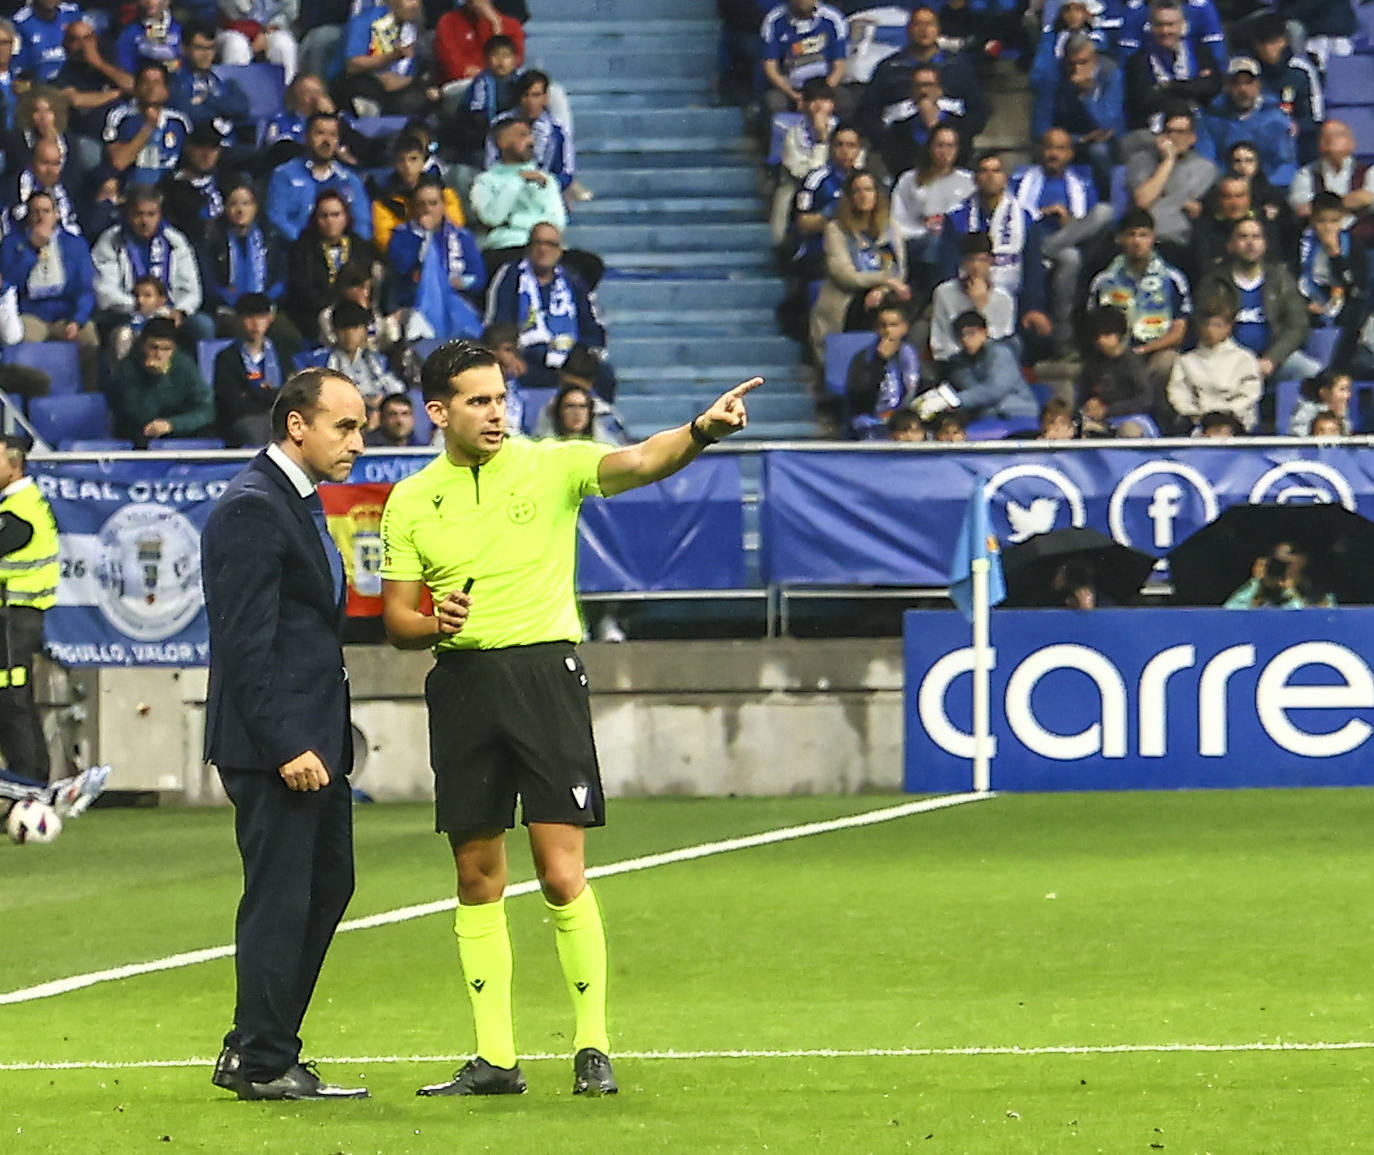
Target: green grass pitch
{"x": 1222, "y": 920}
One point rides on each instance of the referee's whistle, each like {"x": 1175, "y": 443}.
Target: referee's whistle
{"x": 467, "y": 585}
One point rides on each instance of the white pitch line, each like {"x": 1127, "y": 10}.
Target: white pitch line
{"x": 406, "y": 913}
{"x": 801, "y": 1053}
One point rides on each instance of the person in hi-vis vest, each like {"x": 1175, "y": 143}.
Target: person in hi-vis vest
{"x": 28, "y": 587}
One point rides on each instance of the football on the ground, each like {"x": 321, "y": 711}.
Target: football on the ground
{"x": 33, "y": 821}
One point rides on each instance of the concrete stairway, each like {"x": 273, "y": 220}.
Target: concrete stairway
{"x": 691, "y": 282}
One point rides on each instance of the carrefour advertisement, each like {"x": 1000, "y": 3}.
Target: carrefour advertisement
{"x": 1145, "y": 699}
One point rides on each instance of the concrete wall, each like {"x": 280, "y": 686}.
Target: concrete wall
{"x": 708, "y": 718}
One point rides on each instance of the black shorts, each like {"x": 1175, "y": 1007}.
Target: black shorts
{"x": 512, "y": 722}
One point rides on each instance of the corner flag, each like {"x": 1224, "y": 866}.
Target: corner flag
{"x": 976, "y": 549}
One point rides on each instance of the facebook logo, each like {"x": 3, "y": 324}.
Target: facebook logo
{"x": 1163, "y": 511}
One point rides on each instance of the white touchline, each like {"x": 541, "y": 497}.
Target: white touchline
{"x": 801, "y": 1053}
{"x": 406, "y": 913}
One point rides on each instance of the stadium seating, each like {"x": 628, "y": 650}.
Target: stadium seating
{"x": 94, "y": 445}
{"x": 1349, "y": 81}
{"x": 60, "y": 360}
{"x": 310, "y": 358}
{"x": 375, "y": 127}
{"x": 839, "y": 352}
{"x": 206, "y": 352}
{"x": 782, "y": 122}
{"x": 1360, "y": 119}
{"x": 424, "y": 427}
{"x": 70, "y": 417}
{"x": 535, "y": 401}
{"x": 263, "y": 84}
{"x": 186, "y": 444}
{"x": 1321, "y": 343}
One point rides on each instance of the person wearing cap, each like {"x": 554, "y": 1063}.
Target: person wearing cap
{"x": 1243, "y": 112}
{"x": 983, "y": 379}
{"x": 973, "y": 288}
{"x": 1290, "y": 80}
{"x": 193, "y": 198}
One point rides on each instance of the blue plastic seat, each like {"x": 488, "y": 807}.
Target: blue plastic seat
{"x": 1360, "y": 119}
{"x": 1321, "y": 343}
{"x": 1349, "y": 81}
{"x": 206, "y": 352}
{"x": 1121, "y": 195}
{"x": 70, "y": 417}
{"x": 60, "y": 360}
{"x": 186, "y": 444}
{"x": 373, "y": 127}
{"x": 839, "y": 352}
{"x": 1285, "y": 399}
{"x": 94, "y": 445}
{"x": 264, "y": 85}
{"x": 536, "y": 401}
{"x": 310, "y": 358}
{"x": 424, "y": 427}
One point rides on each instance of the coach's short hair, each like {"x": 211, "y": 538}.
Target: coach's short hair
{"x": 449, "y": 361}
{"x": 300, "y": 394}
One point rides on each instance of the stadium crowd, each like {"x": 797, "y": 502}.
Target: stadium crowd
{"x": 1185, "y": 251}
{"x": 198, "y": 198}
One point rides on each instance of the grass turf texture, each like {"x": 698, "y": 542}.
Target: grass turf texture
{"x": 1220, "y": 918}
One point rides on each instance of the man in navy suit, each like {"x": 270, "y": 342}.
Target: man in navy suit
{"x": 277, "y": 725}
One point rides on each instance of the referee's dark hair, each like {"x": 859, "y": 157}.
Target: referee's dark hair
{"x": 451, "y": 359}
{"x": 300, "y": 394}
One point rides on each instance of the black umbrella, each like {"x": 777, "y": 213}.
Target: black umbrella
{"x": 1118, "y": 571}
{"x": 15, "y": 533}
{"x": 1219, "y": 558}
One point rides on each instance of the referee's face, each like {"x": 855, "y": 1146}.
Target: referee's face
{"x": 474, "y": 417}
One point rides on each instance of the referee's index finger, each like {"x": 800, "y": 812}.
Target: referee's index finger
{"x": 747, "y": 387}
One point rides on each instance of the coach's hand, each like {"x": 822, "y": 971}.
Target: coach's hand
{"x": 727, "y": 414}
{"x": 305, "y": 772}
{"x": 452, "y": 612}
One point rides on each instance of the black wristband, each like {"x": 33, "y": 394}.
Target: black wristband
{"x": 699, "y": 437}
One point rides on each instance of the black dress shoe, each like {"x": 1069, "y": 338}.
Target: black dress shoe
{"x": 227, "y": 1073}
{"x": 478, "y": 1077}
{"x": 299, "y": 1082}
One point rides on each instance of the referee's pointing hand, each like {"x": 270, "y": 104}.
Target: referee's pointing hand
{"x": 727, "y": 413}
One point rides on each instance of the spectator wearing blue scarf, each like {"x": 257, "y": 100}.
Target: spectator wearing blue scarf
{"x": 436, "y": 267}
{"x": 242, "y": 253}
{"x": 553, "y": 311}
{"x": 249, "y": 373}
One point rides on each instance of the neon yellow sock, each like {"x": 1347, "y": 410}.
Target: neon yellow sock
{"x": 581, "y": 941}
{"x": 484, "y": 951}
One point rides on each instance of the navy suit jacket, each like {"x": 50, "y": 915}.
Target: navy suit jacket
{"x": 278, "y": 686}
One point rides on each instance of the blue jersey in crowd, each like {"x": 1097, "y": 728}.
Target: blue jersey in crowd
{"x": 1203, "y": 23}
{"x": 39, "y": 52}
{"x": 1252, "y": 325}
{"x": 158, "y": 41}
{"x": 376, "y": 32}
{"x": 206, "y": 96}
{"x": 819, "y": 192}
{"x": 553, "y": 149}
{"x": 804, "y": 47}
{"x": 292, "y": 190}
{"x": 162, "y": 153}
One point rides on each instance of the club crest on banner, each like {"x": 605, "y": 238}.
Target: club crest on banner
{"x": 148, "y": 571}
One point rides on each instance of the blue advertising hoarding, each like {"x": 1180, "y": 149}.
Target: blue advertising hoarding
{"x": 891, "y": 518}
{"x": 1145, "y": 699}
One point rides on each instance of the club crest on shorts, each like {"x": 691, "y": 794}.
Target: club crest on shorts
{"x": 579, "y": 794}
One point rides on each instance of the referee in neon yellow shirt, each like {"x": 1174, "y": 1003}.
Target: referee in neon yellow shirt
{"x": 489, "y": 528}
